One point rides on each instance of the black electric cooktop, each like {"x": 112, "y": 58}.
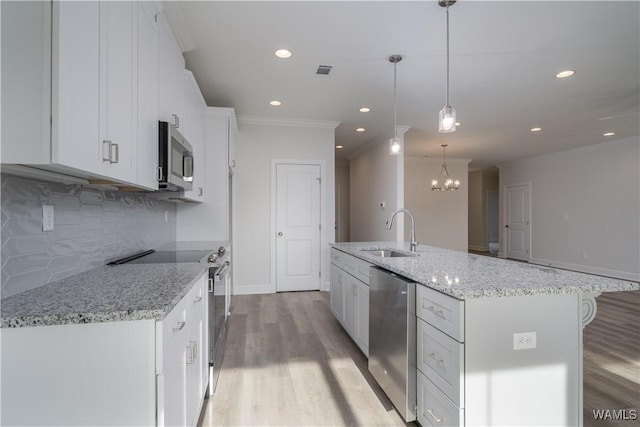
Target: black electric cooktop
{"x": 163, "y": 257}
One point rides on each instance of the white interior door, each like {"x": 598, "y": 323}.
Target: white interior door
{"x": 517, "y": 224}
{"x": 297, "y": 227}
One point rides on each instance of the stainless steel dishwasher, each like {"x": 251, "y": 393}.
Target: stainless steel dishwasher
{"x": 392, "y": 338}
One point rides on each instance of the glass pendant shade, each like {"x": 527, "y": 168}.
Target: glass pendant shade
{"x": 447, "y": 122}
{"x": 394, "y": 146}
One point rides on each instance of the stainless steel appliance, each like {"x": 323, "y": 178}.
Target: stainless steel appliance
{"x": 175, "y": 158}
{"x": 392, "y": 338}
{"x": 219, "y": 297}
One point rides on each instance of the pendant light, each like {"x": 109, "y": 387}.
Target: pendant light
{"x": 448, "y": 183}
{"x": 447, "y": 122}
{"x": 394, "y": 143}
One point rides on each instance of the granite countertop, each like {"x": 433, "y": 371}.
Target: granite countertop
{"x": 109, "y": 293}
{"x": 463, "y": 275}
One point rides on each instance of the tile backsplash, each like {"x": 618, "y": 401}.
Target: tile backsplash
{"x": 90, "y": 226}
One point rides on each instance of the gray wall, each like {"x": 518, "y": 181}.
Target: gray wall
{"x": 91, "y": 226}
{"x": 585, "y": 205}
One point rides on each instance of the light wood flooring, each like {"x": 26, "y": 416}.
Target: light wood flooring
{"x": 612, "y": 358}
{"x": 288, "y": 362}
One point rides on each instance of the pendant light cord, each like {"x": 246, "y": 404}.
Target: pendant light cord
{"x": 448, "y": 56}
{"x": 395, "y": 103}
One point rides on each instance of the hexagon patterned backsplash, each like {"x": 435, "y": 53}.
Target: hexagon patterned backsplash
{"x": 90, "y": 226}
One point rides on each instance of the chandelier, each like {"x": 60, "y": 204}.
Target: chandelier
{"x": 448, "y": 183}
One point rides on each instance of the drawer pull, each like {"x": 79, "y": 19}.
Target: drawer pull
{"x": 438, "y": 420}
{"x": 434, "y": 358}
{"x": 178, "y": 326}
{"x": 197, "y": 299}
{"x": 439, "y": 313}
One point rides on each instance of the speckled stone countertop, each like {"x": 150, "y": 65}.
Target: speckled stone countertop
{"x": 465, "y": 276}
{"x": 108, "y": 293}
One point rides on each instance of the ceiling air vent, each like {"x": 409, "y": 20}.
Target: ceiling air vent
{"x": 324, "y": 70}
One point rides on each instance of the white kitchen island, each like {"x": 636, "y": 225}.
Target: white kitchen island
{"x": 472, "y": 312}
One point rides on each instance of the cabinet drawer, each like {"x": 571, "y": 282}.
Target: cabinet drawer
{"x": 441, "y": 311}
{"x": 174, "y": 326}
{"x": 441, "y": 359}
{"x": 336, "y": 257}
{"x": 434, "y": 408}
{"x": 356, "y": 267}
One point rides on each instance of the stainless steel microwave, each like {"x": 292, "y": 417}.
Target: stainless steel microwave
{"x": 175, "y": 158}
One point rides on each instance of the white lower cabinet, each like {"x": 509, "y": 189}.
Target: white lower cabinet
{"x": 434, "y": 408}
{"x": 350, "y": 296}
{"x": 137, "y": 372}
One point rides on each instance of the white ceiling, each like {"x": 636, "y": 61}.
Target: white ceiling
{"x": 504, "y": 56}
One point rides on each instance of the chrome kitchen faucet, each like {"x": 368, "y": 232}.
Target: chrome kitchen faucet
{"x": 414, "y": 242}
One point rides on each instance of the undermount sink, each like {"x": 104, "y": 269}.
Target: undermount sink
{"x": 387, "y": 253}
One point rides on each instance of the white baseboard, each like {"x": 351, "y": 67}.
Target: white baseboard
{"x": 254, "y": 289}
{"x": 624, "y": 275}
{"x": 479, "y": 248}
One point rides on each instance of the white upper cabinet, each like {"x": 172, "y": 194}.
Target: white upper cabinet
{"x": 192, "y": 128}
{"x": 171, "y": 75}
{"x": 118, "y": 89}
{"x": 147, "y": 96}
{"x": 83, "y": 97}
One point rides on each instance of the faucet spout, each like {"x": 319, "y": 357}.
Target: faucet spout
{"x": 414, "y": 241}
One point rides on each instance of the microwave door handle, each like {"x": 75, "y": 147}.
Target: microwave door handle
{"x": 187, "y": 167}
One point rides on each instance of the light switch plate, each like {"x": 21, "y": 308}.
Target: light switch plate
{"x": 47, "y": 217}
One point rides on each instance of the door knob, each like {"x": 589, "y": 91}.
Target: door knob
{"x": 280, "y": 234}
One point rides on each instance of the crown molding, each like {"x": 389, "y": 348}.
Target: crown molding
{"x": 278, "y": 121}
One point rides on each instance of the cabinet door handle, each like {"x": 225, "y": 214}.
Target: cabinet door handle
{"x": 160, "y": 173}
{"x": 179, "y": 326}
{"x": 200, "y": 191}
{"x": 106, "y": 150}
{"x": 433, "y": 357}
{"x": 210, "y": 282}
{"x": 117, "y": 153}
{"x": 176, "y": 121}
{"x": 438, "y": 420}
{"x": 197, "y": 299}
{"x": 438, "y": 313}
{"x": 192, "y": 350}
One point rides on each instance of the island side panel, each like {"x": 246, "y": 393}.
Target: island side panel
{"x": 538, "y": 386}
{"x": 79, "y": 374}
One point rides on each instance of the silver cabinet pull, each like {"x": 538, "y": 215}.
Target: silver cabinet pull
{"x": 117, "y": 151}
{"x": 197, "y": 299}
{"x": 176, "y": 121}
{"x": 438, "y": 420}
{"x": 179, "y": 326}
{"x": 192, "y": 352}
{"x": 438, "y": 313}
{"x": 160, "y": 173}
{"x": 280, "y": 234}
{"x": 433, "y": 357}
{"x": 106, "y": 150}
{"x": 200, "y": 191}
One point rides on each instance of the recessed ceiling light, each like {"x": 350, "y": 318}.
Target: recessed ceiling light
{"x": 608, "y": 134}
{"x": 275, "y": 103}
{"x": 536, "y": 129}
{"x": 360, "y": 130}
{"x": 364, "y": 109}
{"x": 565, "y": 74}
{"x": 283, "y": 53}
{"x": 339, "y": 147}
{"x": 457, "y": 123}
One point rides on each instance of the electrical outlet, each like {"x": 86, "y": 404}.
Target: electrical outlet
{"x": 47, "y": 217}
{"x": 524, "y": 340}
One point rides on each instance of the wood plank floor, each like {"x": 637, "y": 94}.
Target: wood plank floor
{"x": 288, "y": 362}
{"x": 612, "y": 358}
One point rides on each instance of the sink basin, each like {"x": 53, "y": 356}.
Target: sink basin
{"x": 387, "y": 253}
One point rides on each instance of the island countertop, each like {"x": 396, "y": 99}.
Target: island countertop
{"x": 108, "y": 293}
{"x": 464, "y": 276}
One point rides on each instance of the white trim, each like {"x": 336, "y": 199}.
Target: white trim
{"x": 324, "y": 220}
{"x": 254, "y": 289}
{"x": 277, "y": 121}
{"x": 623, "y": 275}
